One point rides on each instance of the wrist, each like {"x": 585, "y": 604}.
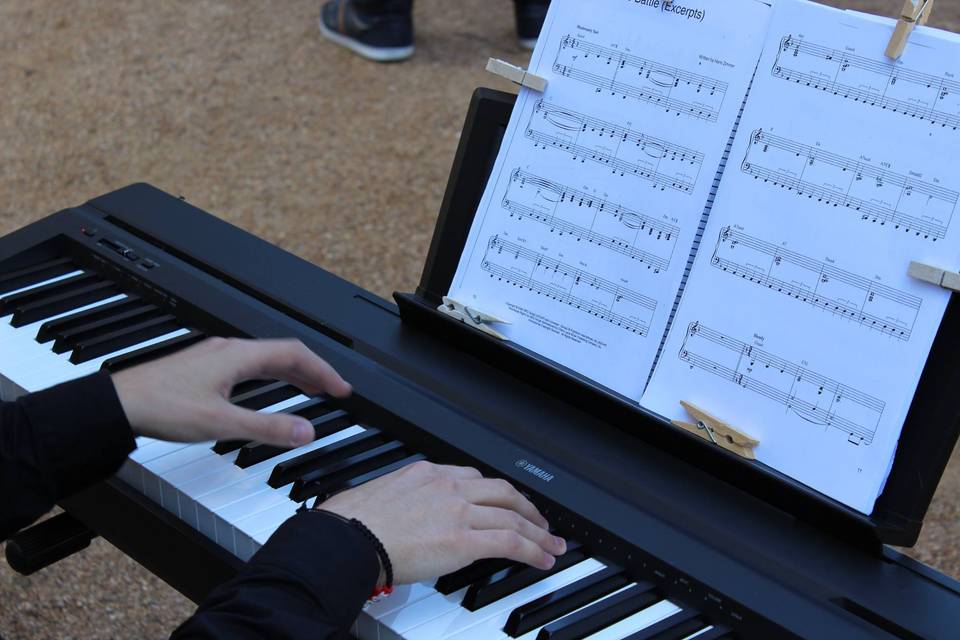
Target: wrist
{"x": 384, "y": 585}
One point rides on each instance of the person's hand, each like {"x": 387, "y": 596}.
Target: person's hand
{"x": 184, "y": 397}
{"x": 435, "y": 519}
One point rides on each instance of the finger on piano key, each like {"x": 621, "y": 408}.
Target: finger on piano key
{"x": 323, "y": 418}
{"x": 542, "y": 611}
{"x": 159, "y": 350}
{"x": 452, "y": 618}
{"x": 603, "y": 613}
{"x": 37, "y": 275}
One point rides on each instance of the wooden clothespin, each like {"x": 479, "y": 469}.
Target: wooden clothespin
{"x": 718, "y": 432}
{"x": 914, "y": 12}
{"x": 513, "y": 73}
{"x": 476, "y": 319}
{"x": 942, "y": 278}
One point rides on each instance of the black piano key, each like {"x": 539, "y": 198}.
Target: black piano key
{"x": 50, "y": 329}
{"x": 322, "y": 481}
{"x": 123, "y": 338}
{"x": 247, "y": 386}
{"x": 463, "y": 578}
{"x": 255, "y": 452}
{"x": 154, "y": 351}
{"x": 9, "y": 303}
{"x": 67, "y": 339}
{"x": 539, "y": 612}
{"x": 602, "y": 614}
{"x": 61, "y": 302}
{"x": 716, "y": 633}
{"x": 266, "y": 396}
{"x": 314, "y": 408}
{"x": 508, "y": 581}
{"x": 224, "y": 447}
{"x": 13, "y": 280}
{"x": 355, "y": 481}
{"x": 294, "y": 468}
{"x": 676, "y": 627}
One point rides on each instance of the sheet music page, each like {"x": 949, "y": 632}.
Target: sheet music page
{"x": 587, "y": 222}
{"x": 799, "y": 324}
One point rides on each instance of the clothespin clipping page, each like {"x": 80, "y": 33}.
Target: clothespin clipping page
{"x": 516, "y": 74}
{"x": 914, "y": 12}
{"x": 718, "y": 432}
{"x": 942, "y": 278}
{"x": 476, "y": 319}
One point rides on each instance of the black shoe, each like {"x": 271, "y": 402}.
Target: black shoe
{"x": 530, "y": 17}
{"x": 380, "y": 30}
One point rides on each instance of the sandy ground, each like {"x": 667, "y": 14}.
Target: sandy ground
{"x": 242, "y": 108}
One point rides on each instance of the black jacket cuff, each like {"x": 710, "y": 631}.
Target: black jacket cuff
{"x": 81, "y": 431}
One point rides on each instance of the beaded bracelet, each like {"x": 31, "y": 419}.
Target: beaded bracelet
{"x": 382, "y": 554}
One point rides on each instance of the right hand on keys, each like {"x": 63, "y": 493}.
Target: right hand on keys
{"x": 434, "y": 519}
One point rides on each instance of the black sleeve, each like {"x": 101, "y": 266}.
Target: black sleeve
{"x": 310, "y": 580}
{"x": 56, "y": 442}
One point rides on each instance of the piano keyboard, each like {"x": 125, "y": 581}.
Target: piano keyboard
{"x": 59, "y": 322}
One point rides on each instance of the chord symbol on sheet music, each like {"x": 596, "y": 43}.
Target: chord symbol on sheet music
{"x": 870, "y": 304}
{"x": 592, "y": 219}
{"x": 626, "y": 152}
{"x": 521, "y": 267}
{"x": 810, "y": 395}
{"x": 628, "y": 76}
{"x": 879, "y": 196}
{"x": 883, "y": 84}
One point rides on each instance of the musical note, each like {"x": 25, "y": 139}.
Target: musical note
{"x": 889, "y": 199}
{"x": 664, "y": 164}
{"x": 870, "y": 304}
{"x": 556, "y": 280}
{"x": 812, "y": 396}
{"x": 670, "y": 88}
{"x": 920, "y": 98}
{"x": 530, "y": 197}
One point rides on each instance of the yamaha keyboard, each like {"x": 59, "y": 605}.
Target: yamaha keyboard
{"x": 669, "y": 538}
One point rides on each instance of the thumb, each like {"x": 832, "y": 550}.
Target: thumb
{"x": 280, "y": 429}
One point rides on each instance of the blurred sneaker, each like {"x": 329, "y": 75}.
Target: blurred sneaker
{"x": 530, "y": 17}
{"x": 379, "y": 31}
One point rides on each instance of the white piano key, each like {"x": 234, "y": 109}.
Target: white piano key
{"x": 492, "y": 629}
{"x": 149, "y": 452}
{"x": 9, "y": 333}
{"x": 637, "y": 622}
{"x": 64, "y": 370}
{"x": 243, "y": 482}
{"x": 252, "y": 532}
{"x": 367, "y": 625}
{"x": 37, "y": 285}
{"x": 157, "y": 468}
{"x": 251, "y": 506}
{"x": 697, "y": 634}
{"x": 445, "y": 615}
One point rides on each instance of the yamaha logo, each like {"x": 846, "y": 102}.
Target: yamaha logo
{"x": 534, "y": 470}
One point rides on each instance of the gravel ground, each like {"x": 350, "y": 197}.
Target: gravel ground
{"x": 242, "y": 108}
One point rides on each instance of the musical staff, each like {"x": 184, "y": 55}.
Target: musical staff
{"x": 844, "y": 294}
{"x": 878, "y": 195}
{"x": 541, "y": 274}
{"x": 626, "y": 152}
{"x": 611, "y": 226}
{"x": 810, "y": 395}
{"x": 630, "y": 76}
{"x": 879, "y": 83}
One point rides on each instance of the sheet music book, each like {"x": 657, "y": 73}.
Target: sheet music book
{"x": 772, "y": 289}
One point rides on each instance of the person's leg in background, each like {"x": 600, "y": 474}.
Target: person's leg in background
{"x": 382, "y": 30}
{"x": 530, "y": 15}
{"x": 379, "y": 30}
